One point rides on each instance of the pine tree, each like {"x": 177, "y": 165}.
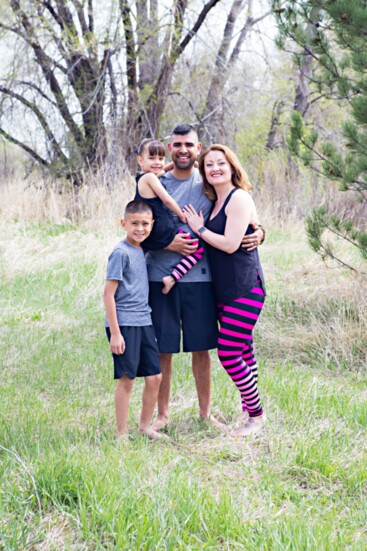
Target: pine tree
{"x": 338, "y": 46}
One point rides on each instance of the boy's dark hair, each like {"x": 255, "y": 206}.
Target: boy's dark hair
{"x": 135, "y": 207}
{"x": 153, "y": 146}
{"x": 183, "y": 129}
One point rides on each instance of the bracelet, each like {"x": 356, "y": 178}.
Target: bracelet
{"x": 264, "y": 233}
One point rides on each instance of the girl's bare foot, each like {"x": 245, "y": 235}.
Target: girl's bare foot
{"x": 168, "y": 283}
{"x": 153, "y": 434}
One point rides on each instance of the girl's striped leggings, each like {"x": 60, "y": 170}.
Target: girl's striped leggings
{"x": 235, "y": 345}
{"x": 187, "y": 262}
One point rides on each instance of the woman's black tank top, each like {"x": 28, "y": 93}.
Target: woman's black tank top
{"x": 235, "y": 274}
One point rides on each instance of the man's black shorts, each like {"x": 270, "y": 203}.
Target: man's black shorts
{"x": 141, "y": 356}
{"x": 188, "y": 306}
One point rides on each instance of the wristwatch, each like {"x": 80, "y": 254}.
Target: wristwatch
{"x": 201, "y": 230}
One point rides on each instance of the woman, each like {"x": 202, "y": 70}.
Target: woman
{"x": 237, "y": 274}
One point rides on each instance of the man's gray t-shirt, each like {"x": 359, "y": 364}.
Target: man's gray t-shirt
{"x": 127, "y": 265}
{"x": 160, "y": 263}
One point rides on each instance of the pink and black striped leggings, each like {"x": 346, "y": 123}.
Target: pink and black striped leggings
{"x": 235, "y": 346}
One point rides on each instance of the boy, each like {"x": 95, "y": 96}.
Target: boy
{"x": 128, "y": 321}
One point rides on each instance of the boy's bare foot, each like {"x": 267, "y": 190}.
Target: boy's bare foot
{"x": 168, "y": 283}
{"x": 122, "y": 437}
{"x": 160, "y": 423}
{"x": 153, "y": 434}
{"x": 252, "y": 426}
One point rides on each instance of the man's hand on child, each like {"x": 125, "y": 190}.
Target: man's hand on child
{"x": 117, "y": 344}
{"x": 182, "y": 244}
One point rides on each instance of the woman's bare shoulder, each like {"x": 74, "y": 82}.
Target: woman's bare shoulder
{"x": 242, "y": 197}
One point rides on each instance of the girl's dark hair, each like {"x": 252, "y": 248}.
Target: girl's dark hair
{"x": 152, "y": 146}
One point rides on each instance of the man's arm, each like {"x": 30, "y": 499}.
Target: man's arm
{"x": 117, "y": 343}
{"x": 253, "y": 240}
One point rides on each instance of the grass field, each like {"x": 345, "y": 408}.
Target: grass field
{"x": 67, "y": 484}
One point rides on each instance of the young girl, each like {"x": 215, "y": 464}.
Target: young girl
{"x": 150, "y": 157}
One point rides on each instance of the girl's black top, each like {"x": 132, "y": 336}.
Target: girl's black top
{"x": 164, "y": 227}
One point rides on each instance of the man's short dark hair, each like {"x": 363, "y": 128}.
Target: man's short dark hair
{"x": 135, "y": 207}
{"x": 183, "y": 129}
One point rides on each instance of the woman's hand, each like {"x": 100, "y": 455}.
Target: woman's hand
{"x": 195, "y": 220}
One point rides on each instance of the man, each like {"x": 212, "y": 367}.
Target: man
{"x": 190, "y": 305}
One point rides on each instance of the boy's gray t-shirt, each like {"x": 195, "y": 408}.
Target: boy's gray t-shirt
{"x": 127, "y": 265}
{"x": 160, "y": 263}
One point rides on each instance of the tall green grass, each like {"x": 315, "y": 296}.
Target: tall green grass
{"x": 66, "y": 483}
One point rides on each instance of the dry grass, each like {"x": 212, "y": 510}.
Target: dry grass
{"x": 94, "y": 206}
{"x": 317, "y": 314}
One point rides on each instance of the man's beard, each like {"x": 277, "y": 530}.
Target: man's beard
{"x": 189, "y": 163}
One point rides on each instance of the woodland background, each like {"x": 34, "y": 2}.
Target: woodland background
{"x": 283, "y": 84}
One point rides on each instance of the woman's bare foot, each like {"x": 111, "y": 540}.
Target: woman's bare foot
{"x": 252, "y": 426}
{"x": 243, "y": 417}
{"x": 168, "y": 283}
{"x": 153, "y": 434}
{"x": 160, "y": 423}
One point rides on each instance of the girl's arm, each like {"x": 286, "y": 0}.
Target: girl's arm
{"x": 117, "y": 343}
{"x": 240, "y": 211}
{"x": 155, "y": 185}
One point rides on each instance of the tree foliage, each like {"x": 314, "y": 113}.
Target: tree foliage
{"x": 338, "y": 48}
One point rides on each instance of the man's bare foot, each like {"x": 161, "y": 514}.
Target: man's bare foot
{"x": 217, "y": 424}
{"x": 252, "y": 426}
{"x": 168, "y": 283}
{"x": 153, "y": 434}
{"x": 160, "y": 423}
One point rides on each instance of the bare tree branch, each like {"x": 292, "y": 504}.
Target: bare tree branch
{"x": 200, "y": 20}
{"x": 35, "y": 110}
{"x": 25, "y": 147}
